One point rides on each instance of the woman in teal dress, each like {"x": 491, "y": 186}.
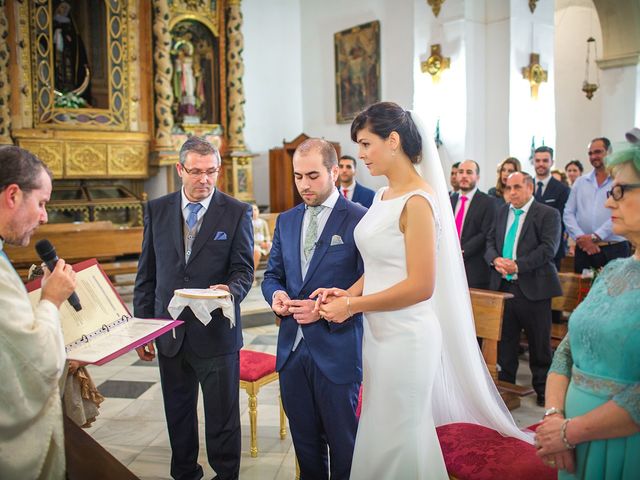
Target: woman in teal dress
{"x": 592, "y": 420}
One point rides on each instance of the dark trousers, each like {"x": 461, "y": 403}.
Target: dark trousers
{"x": 219, "y": 378}
{"x": 322, "y": 417}
{"x": 607, "y": 253}
{"x": 534, "y": 317}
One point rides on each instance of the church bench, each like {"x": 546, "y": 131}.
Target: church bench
{"x": 488, "y": 309}
{"x": 574, "y": 289}
{"x": 115, "y": 247}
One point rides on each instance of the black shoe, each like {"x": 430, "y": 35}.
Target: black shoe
{"x": 540, "y": 400}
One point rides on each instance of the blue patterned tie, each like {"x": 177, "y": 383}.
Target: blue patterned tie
{"x": 192, "y": 218}
{"x": 510, "y": 239}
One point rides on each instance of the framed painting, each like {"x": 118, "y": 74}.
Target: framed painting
{"x": 357, "y": 57}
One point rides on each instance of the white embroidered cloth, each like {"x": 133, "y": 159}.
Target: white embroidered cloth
{"x": 202, "y": 301}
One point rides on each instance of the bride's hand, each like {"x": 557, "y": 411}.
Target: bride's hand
{"x": 324, "y": 293}
{"x": 336, "y": 310}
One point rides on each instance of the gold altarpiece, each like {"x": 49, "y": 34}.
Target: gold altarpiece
{"x": 134, "y": 120}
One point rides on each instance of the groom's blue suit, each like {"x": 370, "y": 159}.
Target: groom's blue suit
{"x": 319, "y": 380}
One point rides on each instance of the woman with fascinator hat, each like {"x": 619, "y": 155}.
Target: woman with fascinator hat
{"x": 422, "y": 365}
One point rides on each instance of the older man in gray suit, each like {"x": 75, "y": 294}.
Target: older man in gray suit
{"x": 521, "y": 248}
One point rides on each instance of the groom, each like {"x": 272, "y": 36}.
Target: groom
{"x": 320, "y": 363}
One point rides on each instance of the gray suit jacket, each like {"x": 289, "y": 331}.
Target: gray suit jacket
{"x": 537, "y": 245}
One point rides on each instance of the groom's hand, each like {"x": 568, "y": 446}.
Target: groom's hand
{"x": 278, "y": 304}
{"x": 303, "y": 311}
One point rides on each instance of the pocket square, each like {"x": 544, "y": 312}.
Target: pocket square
{"x": 220, "y": 236}
{"x": 336, "y": 240}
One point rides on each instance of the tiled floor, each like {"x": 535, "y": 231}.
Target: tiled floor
{"x": 131, "y": 423}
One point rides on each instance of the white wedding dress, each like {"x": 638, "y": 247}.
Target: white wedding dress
{"x": 422, "y": 364}
{"x": 401, "y": 352}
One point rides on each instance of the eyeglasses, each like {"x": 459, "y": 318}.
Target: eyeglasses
{"x": 617, "y": 191}
{"x": 195, "y": 173}
{"x": 595, "y": 152}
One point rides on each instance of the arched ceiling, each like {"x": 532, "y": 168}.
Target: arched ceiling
{"x": 620, "y": 23}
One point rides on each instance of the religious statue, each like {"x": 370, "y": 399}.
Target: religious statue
{"x": 187, "y": 82}
{"x": 71, "y": 67}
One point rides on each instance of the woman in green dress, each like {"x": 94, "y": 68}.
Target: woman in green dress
{"x": 592, "y": 420}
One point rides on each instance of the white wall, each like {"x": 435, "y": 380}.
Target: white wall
{"x": 484, "y": 103}
{"x": 272, "y": 81}
{"x": 320, "y": 20}
{"x": 578, "y": 119}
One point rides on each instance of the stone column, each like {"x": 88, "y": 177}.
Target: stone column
{"x": 5, "y": 114}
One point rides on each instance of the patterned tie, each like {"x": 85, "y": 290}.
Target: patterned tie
{"x": 311, "y": 235}
{"x": 510, "y": 239}
{"x": 192, "y": 218}
{"x": 344, "y": 192}
{"x": 539, "y": 191}
{"x": 460, "y": 215}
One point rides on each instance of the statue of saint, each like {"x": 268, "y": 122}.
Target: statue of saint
{"x": 187, "y": 87}
{"x": 71, "y": 67}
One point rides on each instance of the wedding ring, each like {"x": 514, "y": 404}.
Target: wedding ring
{"x": 552, "y": 463}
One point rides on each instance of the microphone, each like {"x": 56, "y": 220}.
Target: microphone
{"x": 48, "y": 255}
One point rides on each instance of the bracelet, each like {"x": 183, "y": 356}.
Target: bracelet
{"x": 552, "y": 411}
{"x": 349, "y": 306}
{"x": 563, "y": 435}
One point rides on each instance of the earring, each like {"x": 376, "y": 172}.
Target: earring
{"x": 393, "y": 153}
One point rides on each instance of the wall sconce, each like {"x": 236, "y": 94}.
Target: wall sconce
{"x": 435, "y": 64}
{"x": 587, "y": 87}
{"x": 534, "y": 73}
{"x": 435, "y": 6}
{"x": 532, "y": 5}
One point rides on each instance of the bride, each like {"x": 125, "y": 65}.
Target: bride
{"x": 422, "y": 364}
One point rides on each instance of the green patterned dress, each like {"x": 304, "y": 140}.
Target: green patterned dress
{"x": 601, "y": 356}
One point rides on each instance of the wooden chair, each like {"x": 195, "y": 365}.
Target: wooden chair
{"x": 256, "y": 370}
{"x": 488, "y": 308}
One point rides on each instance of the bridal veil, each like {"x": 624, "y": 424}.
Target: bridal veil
{"x": 464, "y": 390}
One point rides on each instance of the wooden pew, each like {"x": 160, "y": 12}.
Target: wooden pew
{"x": 573, "y": 291}
{"x": 75, "y": 242}
{"x": 488, "y": 309}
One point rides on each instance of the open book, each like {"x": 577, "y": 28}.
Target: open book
{"x": 104, "y": 329}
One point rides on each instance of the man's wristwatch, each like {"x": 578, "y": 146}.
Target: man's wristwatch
{"x": 552, "y": 411}
{"x": 594, "y": 238}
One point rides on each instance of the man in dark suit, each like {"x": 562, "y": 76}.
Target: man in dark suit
{"x": 349, "y": 188}
{"x": 320, "y": 363}
{"x": 521, "y": 248}
{"x": 474, "y": 212}
{"x": 550, "y": 191}
{"x": 197, "y": 238}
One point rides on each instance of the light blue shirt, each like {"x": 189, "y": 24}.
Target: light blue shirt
{"x": 585, "y": 212}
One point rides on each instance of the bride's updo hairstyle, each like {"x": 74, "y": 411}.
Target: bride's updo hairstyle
{"x": 386, "y": 117}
